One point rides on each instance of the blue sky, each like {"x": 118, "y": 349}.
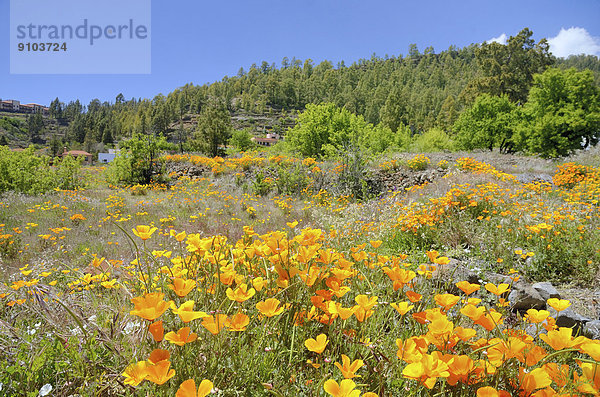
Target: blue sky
{"x": 201, "y": 41}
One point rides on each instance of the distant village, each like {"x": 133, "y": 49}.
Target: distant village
{"x": 15, "y": 106}
{"x": 12, "y": 105}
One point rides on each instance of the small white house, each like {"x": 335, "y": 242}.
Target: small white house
{"x": 105, "y": 158}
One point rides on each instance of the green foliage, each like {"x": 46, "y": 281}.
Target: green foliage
{"x": 214, "y": 129}
{"x": 509, "y": 69}
{"x": 35, "y": 124}
{"x": 353, "y": 174}
{"x": 138, "y": 162}
{"x": 242, "y": 140}
{"x": 434, "y": 140}
{"x": 291, "y": 180}
{"x": 488, "y": 124}
{"x": 323, "y": 130}
{"x": 26, "y": 172}
{"x": 562, "y": 114}
{"x": 260, "y": 185}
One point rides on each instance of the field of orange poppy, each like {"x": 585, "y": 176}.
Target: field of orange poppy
{"x": 230, "y": 283}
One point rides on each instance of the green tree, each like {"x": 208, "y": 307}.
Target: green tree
{"x": 241, "y": 140}
{"x": 3, "y": 140}
{"x": 394, "y": 112}
{"x": 323, "y": 129}
{"x": 56, "y": 109}
{"x": 509, "y": 69}
{"x": 214, "y": 128}
{"x": 35, "y": 123}
{"x": 56, "y": 146}
{"x": 107, "y": 137}
{"x": 138, "y": 161}
{"x": 562, "y": 114}
{"x": 434, "y": 140}
{"x": 488, "y": 124}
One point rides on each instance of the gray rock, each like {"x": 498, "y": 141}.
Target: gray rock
{"x": 546, "y": 290}
{"x": 456, "y": 271}
{"x": 568, "y": 318}
{"x": 592, "y": 329}
{"x": 524, "y": 297}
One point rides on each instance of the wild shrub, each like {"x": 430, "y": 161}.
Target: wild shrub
{"x": 26, "y": 172}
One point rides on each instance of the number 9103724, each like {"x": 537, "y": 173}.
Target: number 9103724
{"x": 42, "y": 47}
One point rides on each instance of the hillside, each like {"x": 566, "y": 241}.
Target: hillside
{"x": 420, "y": 90}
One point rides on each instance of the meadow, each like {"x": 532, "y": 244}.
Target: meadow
{"x": 266, "y": 275}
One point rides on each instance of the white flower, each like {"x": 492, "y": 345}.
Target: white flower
{"x": 45, "y": 390}
{"x": 130, "y": 327}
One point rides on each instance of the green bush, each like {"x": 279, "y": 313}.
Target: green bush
{"x": 139, "y": 161}
{"x": 26, "y": 172}
{"x": 434, "y": 140}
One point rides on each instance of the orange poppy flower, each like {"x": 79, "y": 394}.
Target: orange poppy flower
{"x": 346, "y": 388}
{"x": 589, "y": 381}
{"x": 135, "y": 373}
{"x": 158, "y": 355}
{"x": 269, "y": 307}
{"x": 534, "y": 380}
{"x": 188, "y": 389}
{"x": 182, "y": 336}
{"x": 160, "y": 372}
{"x": 317, "y": 345}
{"x": 467, "y": 287}
{"x": 238, "y": 322}
{"x": 348, "y": 369}
{"x": 558, "y": 304}
{"x": 497, "y": 290}
{"x": 144, "y": 232}
{"x": 561, "y": 338}
{"x": 365, "y": 302}
{"x": 186, "y": 311}
{"x": 150, "y": 306}
{"x": 537, "y": 316}
{"x": 337, "y": 309}
{"x": 413, "y": 296}
{"x": 182, "y": 287}
{"x": 157, "y": 330}
{"x": 427, "y": 370}
{"x": 446, "y": 301}
{"x": 214, "y": 324}
{"x": 241, "y": 293}
{"x": 489, "y": 391}
{"x": 402, "y": 307}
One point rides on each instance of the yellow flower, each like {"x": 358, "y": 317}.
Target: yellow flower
{"x": 160, "y": 372}
{"x": 182, "y": 336}
{"x": 186, "y": 311}
{"x": 215, "y": 324}
{"x": 135, "y": 373}
{"x": 150, "y": 306}
{"x": 144, "y": 232}
{"x": 558, "y": 304}
{"x": 181, "y": 286}
{"x": 317, "y": 345}
{"x": 188, "y": 388}
{"x": 270, "y": 307}
{"x": 241, "y": 293}
{"x": 402, "y": 307}
{"x": 238, "y": 322}
{"x": 348, "y": 369}
{"x": 346, "y": 388}
{"x": 537, "y": 316}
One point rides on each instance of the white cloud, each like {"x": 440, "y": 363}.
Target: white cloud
{"x": 574, "y": 41}
{"x": 500, "y": 39}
